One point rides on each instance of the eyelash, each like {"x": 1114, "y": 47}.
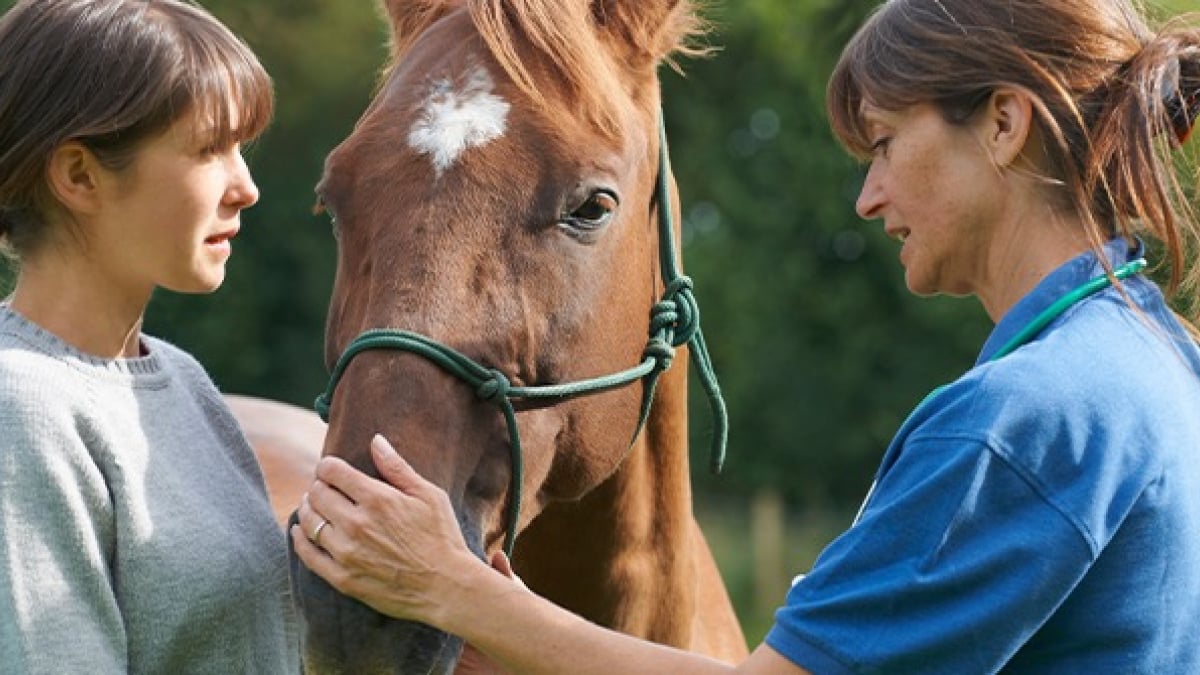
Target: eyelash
{"x": 881, "y": 145}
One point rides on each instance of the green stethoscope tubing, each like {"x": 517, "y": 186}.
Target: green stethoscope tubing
{"x": 1036, "y": 326}
{"x": 1055, "y": 310}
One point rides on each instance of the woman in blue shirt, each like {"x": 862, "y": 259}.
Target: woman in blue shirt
{"x": 1039, "y": 514}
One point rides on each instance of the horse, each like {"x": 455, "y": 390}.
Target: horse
{"x": 287, "y": 441}
{"x": 496, "y": 209}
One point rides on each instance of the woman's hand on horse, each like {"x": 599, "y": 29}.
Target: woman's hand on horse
{"x": 396, "y": 547}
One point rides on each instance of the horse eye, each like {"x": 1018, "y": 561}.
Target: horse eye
{"x": 595, "y": 212}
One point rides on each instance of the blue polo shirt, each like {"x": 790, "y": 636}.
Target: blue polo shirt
{"x": 1041, "y": 514}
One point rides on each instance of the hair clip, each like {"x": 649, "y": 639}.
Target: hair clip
{"x": 1182, "y": 100}
{"x": 1183, "y": 111}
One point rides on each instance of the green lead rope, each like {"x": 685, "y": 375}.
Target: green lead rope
{"x": 676, "y": 319}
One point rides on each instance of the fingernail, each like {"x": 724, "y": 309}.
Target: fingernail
{"x": 380, "y": 445}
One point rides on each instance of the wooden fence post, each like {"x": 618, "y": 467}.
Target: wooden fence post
{"x": 770, "y": 576}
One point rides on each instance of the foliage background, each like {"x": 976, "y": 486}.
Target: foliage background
{"x": 820, "y": 349}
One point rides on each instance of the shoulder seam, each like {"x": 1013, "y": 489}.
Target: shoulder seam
{"x": 1025, "y": 475}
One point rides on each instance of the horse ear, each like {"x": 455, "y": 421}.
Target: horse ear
{"x": 650, "y": 30}
{"x": 409, "y": 18}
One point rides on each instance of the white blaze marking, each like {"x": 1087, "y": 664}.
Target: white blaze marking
{"x": 452, "y": 121}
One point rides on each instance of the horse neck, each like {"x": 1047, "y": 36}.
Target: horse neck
{"x": 622, "y": 555}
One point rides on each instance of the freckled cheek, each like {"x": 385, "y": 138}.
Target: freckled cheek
{"x": 930, "y": 185}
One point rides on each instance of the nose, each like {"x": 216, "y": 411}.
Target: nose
{"x": 242, "y": 193}
{"x": 870, "y": 197}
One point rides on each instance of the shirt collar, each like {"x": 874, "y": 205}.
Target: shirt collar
{"x": 1072, "y": 274}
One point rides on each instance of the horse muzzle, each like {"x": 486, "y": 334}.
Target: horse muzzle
{"x": 342, "y": 636}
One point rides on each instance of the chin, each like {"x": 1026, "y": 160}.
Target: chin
{"x": 919, "y": 282}
{"x": 211, "y": 286}
{"x": 915, "y": 284}
{"x": 200, "y": 284}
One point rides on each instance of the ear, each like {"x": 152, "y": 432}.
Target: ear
{"x": 649, "y": 30}
{"x": 1008, "y": 124}
{"x": 409, "y": 18}
{"x": 73, "y": 175}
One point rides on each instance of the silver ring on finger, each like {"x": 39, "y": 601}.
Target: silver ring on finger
{"x": 316, "y": 533}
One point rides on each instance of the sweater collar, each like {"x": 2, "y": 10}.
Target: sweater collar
{"x": 39, "y": 338}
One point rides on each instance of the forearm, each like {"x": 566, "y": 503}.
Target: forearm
{"x": 525, "y": 633}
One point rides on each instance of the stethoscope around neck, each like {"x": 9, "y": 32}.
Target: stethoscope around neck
{"x": 1068, "y": 300}
{"x": 1034, "y": 327}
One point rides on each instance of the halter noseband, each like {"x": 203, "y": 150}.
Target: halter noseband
{"x": 674, "y": 321}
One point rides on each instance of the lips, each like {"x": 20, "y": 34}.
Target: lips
{"x": 899, "y": 234}
{"x": 221, "y": 237}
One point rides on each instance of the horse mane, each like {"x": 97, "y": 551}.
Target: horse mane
{"x": 563, "y": 33}
{"x": 563, "y": 36}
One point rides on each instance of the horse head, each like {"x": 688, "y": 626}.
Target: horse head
{"x": 497, "y": 202}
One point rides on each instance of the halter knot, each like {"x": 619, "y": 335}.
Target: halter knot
{"x": 679, "y": 284}
{"x": 495, "y": 389}
{"x": 661, "y": 351}
{"x": 663, "y": 317}
{"x": 677, "y": 316}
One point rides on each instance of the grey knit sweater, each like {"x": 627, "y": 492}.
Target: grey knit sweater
{"x": 135, "y": 532}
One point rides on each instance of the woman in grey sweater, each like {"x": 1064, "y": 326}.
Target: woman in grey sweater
{"x": 135, "y": 531}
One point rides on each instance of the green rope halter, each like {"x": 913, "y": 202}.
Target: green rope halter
{"x": 674, "y": 321}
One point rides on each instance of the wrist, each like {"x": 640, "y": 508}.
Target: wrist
{"x": 475, "y": 598}
{"x": 455, "y": 596}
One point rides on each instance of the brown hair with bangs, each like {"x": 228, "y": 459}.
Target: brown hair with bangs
{"x": 111, "y": 74}
{"x": 1113, "y": 100}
